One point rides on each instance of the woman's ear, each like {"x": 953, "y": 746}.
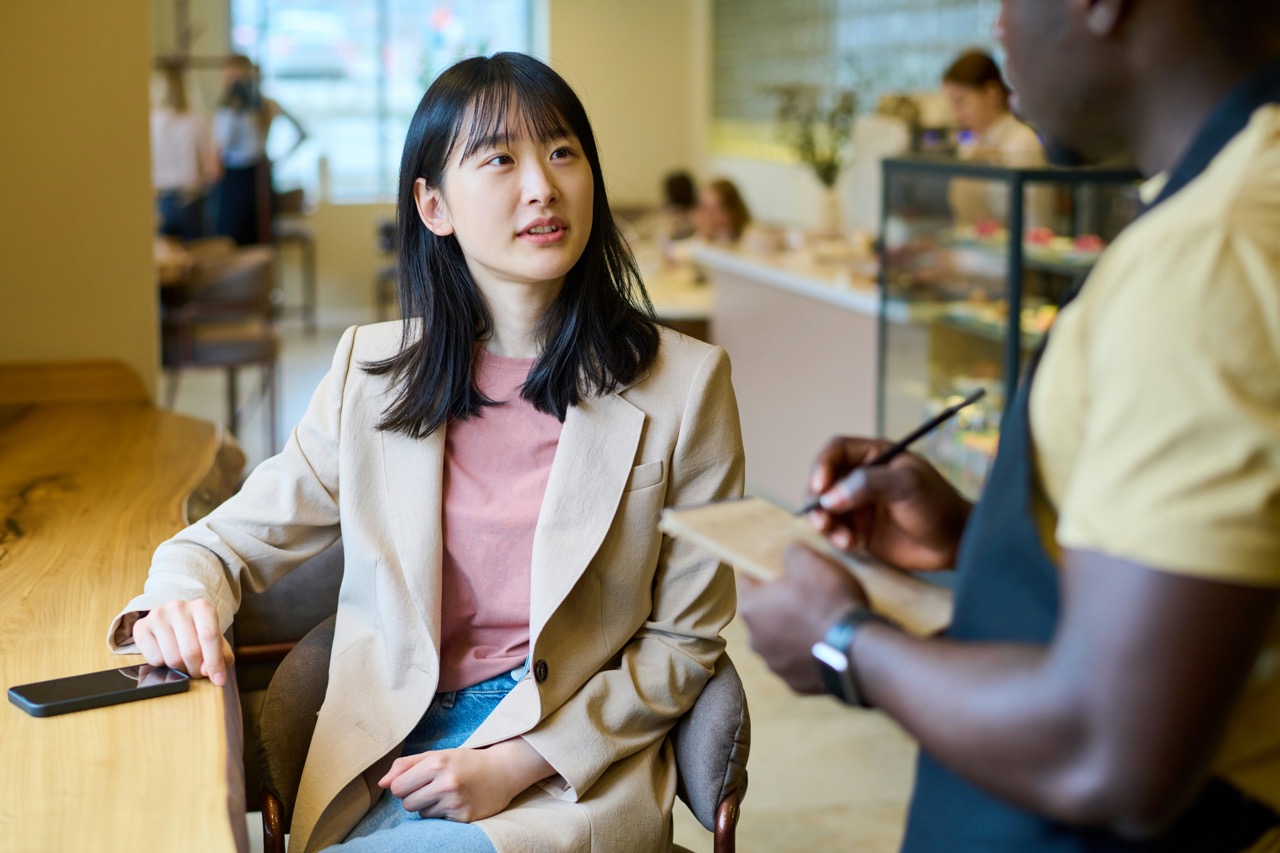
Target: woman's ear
{"x": 431, "y": 209}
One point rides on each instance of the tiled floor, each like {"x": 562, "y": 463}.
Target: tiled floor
{"x": 822, "y": 777}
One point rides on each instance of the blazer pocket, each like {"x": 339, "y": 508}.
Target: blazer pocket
{"x": 643, "y": 476}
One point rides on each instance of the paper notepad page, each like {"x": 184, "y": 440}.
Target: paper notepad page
{"x": 752, "y": 535}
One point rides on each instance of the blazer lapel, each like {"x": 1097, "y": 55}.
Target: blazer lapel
{"x": 592, "y": 464}
{"x": 413, "y": 471}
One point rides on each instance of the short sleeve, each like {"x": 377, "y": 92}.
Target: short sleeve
{"x": 1179, "y": 463}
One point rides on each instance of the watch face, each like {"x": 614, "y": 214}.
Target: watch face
{"x": 831, "y": 656}
{"x": 833, "y": 664}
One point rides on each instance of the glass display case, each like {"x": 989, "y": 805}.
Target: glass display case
{"x": 963, "y": 306}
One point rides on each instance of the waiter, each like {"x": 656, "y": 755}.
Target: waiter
{"x": 1111, "y": 680}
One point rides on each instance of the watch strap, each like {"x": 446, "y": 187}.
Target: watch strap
{"x": 842, "y": 682}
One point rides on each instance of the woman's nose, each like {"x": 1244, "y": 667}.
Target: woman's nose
{"x": 539, "y": 188}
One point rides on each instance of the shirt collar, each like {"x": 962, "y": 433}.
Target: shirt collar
{"x": 1228, "y": 118}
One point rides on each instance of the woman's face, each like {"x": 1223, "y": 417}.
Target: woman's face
{"x": 520, "y": 208}
{"x": 975, "y": 108}
{"x": 712, "y": 216}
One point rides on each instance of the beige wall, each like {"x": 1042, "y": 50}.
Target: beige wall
{"x": 639, "y": 68}
{"x": 76, "y": 214}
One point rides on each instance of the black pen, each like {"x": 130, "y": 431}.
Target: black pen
{"x": 899, "y": 446}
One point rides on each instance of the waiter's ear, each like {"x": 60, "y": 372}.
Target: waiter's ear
{"x": 1103, "y": 17}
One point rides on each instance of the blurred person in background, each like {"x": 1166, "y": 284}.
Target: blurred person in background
{"x": 240, "y": 127}
{"x": 184, "y": 160}
{"x": 679, "y": 200}
{"x": 991, "y": 133}
{"x": 979, "y": 100}
{"x": 721, "y": 216}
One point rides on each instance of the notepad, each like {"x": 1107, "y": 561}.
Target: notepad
{"x": 752, "y": 535}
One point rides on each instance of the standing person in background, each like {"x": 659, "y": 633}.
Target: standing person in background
{"x": 1109, "y": 681}
{"x": 979, "y": 99}
{"x": 184, "y": 160}
{"x": 241, "y": 126}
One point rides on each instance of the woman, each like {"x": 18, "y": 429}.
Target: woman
{"x": 721, "y": 216}
{"x": 979, "y": 100}
{"x": 184, "y": 161}
{"x": 241, "y": 125}
{"x": 495, "y": 467}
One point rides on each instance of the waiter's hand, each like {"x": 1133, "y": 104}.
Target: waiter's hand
{"x": 786, "y": 617}
{"x": 905, "y": 513}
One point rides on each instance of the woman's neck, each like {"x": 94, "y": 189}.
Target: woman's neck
{"x": 516, "y": 310}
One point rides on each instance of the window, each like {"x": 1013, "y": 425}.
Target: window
{"x": 352, "y": 72}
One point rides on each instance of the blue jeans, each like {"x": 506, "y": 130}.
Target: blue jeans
{"x": 452, "y": 717}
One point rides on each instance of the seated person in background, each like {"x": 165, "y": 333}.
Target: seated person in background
{"x": 979, "y": 99}
{"x": 721, "y": 215}
{"x": 680, "y": 198}
{"x": 720, "y": 219}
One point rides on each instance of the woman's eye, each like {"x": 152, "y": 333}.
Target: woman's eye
{"x": 499, "y": 160}
{"x": 561, "y": 152}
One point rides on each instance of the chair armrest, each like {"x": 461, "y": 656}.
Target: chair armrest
{"x": 712, "y": 742}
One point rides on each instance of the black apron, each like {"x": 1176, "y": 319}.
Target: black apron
{"x": 1008, "y": 592}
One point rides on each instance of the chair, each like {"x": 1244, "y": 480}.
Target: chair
{"x": 711, "y": 742}
{"x": 386, "y": 282}
{"x": 287, "y": 231}
{"x": 222, "y": 317}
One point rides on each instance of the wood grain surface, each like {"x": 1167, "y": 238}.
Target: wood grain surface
{"x": 87, "y": 491}
{"x": 70, "y": 382}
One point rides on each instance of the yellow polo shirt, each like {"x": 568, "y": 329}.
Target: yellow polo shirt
{"x": 1156, "y": 410}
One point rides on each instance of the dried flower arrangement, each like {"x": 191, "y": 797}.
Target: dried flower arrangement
{"x": 817, "y": 128}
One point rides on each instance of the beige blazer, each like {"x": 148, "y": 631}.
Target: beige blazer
{"x": 624, "y": 624}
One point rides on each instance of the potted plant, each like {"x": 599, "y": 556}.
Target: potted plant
{"x": 817, "y": 125}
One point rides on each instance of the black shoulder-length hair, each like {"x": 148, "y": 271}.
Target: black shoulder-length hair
{"x": 599, "y": 332}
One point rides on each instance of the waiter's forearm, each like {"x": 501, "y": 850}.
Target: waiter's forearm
{"x": 995, "y": 713}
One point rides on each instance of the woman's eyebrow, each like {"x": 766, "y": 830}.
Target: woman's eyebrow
{"x": 484, "y": 143}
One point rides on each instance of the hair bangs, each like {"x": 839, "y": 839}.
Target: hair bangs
{"x": 512, "y": 107}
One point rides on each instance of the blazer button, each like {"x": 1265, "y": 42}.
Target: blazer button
{"x": 540, "y": 671}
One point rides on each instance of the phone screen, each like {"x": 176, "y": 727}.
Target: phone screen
{"x": 95, "y": 689}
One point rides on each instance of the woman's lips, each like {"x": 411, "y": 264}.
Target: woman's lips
{"x": 544, "y": 232}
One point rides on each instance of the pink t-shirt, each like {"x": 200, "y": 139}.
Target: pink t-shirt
{"x": 495, "y": 474}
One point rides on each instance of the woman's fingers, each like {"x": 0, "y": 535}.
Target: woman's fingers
{"x": 213, "y": 648}
{"x": 145, "y": 640}
{"x": 184, "y": 635}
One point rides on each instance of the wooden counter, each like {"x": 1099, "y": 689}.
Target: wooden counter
{"x": 803, "y": 338}
{"x": 87, "y": 491}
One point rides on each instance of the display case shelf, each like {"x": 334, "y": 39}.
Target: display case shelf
{"x": 966, "y": 298}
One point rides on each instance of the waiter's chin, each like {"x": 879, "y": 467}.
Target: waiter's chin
{"x": 1060, "y": 153}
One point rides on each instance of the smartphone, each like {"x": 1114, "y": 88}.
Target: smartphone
{"x": 96, "y": 689}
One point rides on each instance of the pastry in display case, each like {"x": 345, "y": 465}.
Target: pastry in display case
{"x": 964, "y": 303}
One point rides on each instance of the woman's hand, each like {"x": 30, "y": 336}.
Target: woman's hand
{"x": 465, "y": 785}
{"x": 905, "y": 513}
{"x": 184, "y": 635}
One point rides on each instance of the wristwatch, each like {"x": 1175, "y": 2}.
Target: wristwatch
{"x": 832, "y": 654}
